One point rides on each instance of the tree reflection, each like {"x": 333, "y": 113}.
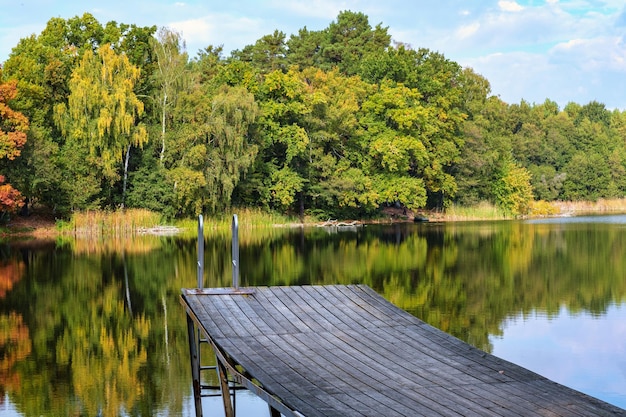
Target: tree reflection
{"x": 69, "y": 344}
{"x": 15, "y": 346}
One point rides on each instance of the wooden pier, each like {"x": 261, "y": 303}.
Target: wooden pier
{"x": 346, "y": 351}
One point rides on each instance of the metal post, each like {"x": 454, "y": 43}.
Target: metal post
{"x": 200, "y": 251}
{"x": 235, "y": 251}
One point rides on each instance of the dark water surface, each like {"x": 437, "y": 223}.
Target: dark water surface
{"x": 96, "y": 327}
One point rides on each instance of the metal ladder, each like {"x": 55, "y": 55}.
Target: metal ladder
{"x": 195, "y": 346}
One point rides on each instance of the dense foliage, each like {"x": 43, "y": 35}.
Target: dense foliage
{"x": 338, "y": 122}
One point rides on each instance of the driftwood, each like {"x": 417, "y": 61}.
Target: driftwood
{"x": 158, "y": 230}
{"x": 335, "y": 223}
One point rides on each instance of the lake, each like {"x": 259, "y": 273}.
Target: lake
{"x": 95, "y": 327}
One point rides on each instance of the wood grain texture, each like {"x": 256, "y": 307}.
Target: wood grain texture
{"x": 346, "y": 351}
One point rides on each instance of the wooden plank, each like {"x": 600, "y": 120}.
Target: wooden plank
{"x": 237, "y": 321}
{"x": 249, "y": 307}
{"x": 327, "y": 316}
{"x": 274, "y": 307}
{"x": 346, "y": 351}
{"x": 316, "y": 322}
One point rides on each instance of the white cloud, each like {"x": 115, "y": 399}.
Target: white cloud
{"x": 326, "y": 9}
{"x": 595, "y": 55}
{"x": 194, "y": 29}
{"x": 211, "y": 29}
{"x": 467, "y": 30}
{"x": 510, "y": 6}
{"x": 580, "y": 71}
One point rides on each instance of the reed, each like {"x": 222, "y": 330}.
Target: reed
{"x": 601, "y": 206}
{"x": 481, "y": 211}
{"x": 109, "y": 223}
{"x": 248, "y": 218}
{"x": 488, "y": 211}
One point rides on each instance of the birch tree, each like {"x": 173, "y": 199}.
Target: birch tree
{"x": 171, "y": 76}
{"x": 102, "y": 111}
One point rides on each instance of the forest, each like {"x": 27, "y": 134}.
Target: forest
{"x": 338, "y": 122}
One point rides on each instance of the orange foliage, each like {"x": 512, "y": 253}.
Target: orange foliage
{"x": 13, "y": 124}
{"x": 13, "y": 128}
{"x": 10, "y": 273}
{"x": 16, "y": 345}
{"x": 10, "y": 198}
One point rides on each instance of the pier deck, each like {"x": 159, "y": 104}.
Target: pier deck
{"x": 346, "y": 351}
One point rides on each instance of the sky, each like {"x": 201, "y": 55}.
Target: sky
{"x": 532, "y": 50}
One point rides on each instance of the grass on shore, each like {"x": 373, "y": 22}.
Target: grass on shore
{"x": 109, "y": 223}
{"x": 488, "y": 211}
{"x": 133, "y": 221}
{"x": 481, "y": 211}
{"x": 136, "y": 221}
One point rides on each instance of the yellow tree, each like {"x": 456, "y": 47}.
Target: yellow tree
{"x": 102, "y": 110}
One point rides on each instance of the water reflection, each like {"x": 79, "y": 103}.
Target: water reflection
{"x": 96, "y": 328}
{"x": 583, "y": 351}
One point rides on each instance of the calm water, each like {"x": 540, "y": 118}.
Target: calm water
{"x": 96, "y": 327}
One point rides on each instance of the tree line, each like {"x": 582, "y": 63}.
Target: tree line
{"x": 337, "y": 122}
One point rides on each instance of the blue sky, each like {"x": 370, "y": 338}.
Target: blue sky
{"x": 564, "y": 50}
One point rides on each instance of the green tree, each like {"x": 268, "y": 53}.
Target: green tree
{"x": 546, "y": 182}
{"x": 486, "y": 148}
{"x": 512, "y": 190}
{"x": 350, "y": 38}
{"x": 594, "y": 112}
{"x": 285, "y": 141}
{"x": 343, "y": 44}
{"x": 338, "y": 184}
{"x": 439, "y": 83}
{"x": 397, "y": 139}
{"x": 267, "y": 54}
{"x": 588, "y": 177}
{"x": 304, "y": 48}
{"x": 150, "y": 185}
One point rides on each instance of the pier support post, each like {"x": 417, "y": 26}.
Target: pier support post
{"x": 274, "y": 412}
{"x": 223, "y": 375}
{"x": 195, "y": 366}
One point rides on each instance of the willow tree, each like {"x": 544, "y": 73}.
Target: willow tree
{"x": 102, "y": 111}
{"x": 212, "y": 147}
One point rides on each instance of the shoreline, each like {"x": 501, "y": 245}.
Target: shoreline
{"x": 42, "y": 226}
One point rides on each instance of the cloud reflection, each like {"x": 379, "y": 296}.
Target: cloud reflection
{"x": 583, "y": 351}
